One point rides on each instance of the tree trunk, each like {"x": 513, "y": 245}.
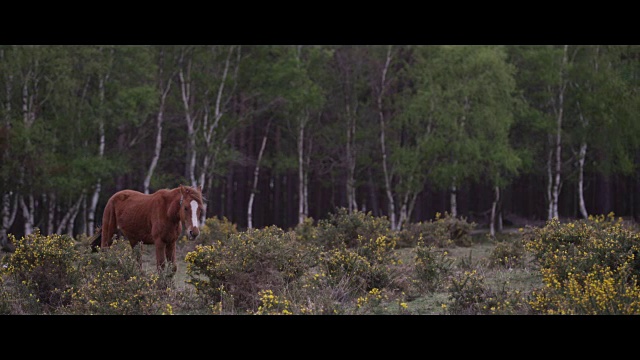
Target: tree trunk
{"x": 351, "y": 160}
{"x": 385, "y": 169}
{"x": 549, "y": 185}
{"x": 373, "y": 194}
{"x": 555, "y": 192}
{"x": 494, "y": 206}
{"x": 454, "y": 200}
{"x": 301, "y": 170}
{"x": 8, "y": 216}
{"x": 256, "y": 172}
{"x": 67, "y": 220}
{"x": 28, "y": 211}
{"x": 581, "y": 159}
{"x": 101, "y": 133}
{"x": 184, "y": 74}
{"x": 164, "y": 91}
{"x": 51, "y": 204}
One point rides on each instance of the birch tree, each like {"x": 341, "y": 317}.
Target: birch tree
{"x": 350, "y": 67}
{"x": 207, "y": 82}
{"x": 599, "y": 107}
{"x": 9, "y": 165}
{"x": 164, "y": 82}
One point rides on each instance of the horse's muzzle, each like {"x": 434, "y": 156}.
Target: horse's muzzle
{"x": 194, "y": 232}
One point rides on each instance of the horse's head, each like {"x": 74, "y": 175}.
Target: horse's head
{"x": 190, "y": 210}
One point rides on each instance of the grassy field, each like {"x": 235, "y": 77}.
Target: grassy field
{"x": 523, "y": 278}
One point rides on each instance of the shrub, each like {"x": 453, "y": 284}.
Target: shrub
{"x": 588, "y": 267}
{"x": 247, "y": 262}
{"x": 42, "y": 272}
{"x": 342, "y": 228}
{"x": 378, "y": 302}
{"x": 431, "y": 267}
{"x": 115, "y": 284}
{"x": 507, "y": 254}
{"x": 440, "y": 232}
{"x": 215, "y": 229}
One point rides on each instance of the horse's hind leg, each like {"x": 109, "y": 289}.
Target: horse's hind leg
{"x": 109, "y": 224}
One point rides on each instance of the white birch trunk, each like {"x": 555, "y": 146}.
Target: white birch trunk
{"x": 102, "y": 81}
{"x": 558, "y": 144}
{"x": 256, "y": 173}
{"x": 83, "y": 228}
{"x": 494, "y": 206}
{"x": 454, "y": 200}
{"x": 582, "y": 153}
{"x": 74, "y": 212}
{"x": 51, "y": 204}
{"x": 8, "y": 216}
{"x": 8, "y": 211}
{"x": 67, "y": 220}
{"x": 406, "y": 209}
{"x": 385, "y": 169}
{"x": 29, "y": 116}
{"x": 185, "y": 92}
{"x": 301, "y": 170}
{"x": 28, "y": 210}
{"x": 351, "y": 159}
{"x": 210, "y": 130}
{"x": 549, "y": 185}
{"x": 158, "y": 147}
{"x": 581, "y": 159}
{"x": 305, "y": 191}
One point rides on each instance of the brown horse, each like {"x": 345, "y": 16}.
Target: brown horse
{"x": 157, "y": 218}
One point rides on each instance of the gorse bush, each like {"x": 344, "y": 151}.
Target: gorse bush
{"x": 370, "y": 264}
{"x": 348, "y": 264}
{"x": 507, "y": 254}
{"x": 247, "y": 262}
{"x": 441, "y": 232}
{"x": 42, "y": 271}
{"x": 431, "y": 267}
{"x": 470, "y": 295}
{"x": 115, "y": 284}
{"x": 588, "y": 266}
{"x": 343, "y": 228}
{"x": 215, "y": 229}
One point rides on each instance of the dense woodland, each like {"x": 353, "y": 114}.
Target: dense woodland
{"x": 276, "y": 134}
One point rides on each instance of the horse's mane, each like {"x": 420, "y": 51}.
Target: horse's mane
{"x": 197, "y": 195}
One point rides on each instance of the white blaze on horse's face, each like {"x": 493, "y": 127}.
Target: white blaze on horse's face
{"x": 194, "y": 215}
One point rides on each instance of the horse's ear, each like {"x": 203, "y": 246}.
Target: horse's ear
{"x": 181, "y": 188}
{"x": 200, "y": 189}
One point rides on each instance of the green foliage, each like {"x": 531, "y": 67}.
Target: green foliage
{"x": 368, "y": 265}
{"x": 307, "y": 231}
{"x": 246, "y": 262}
{"x": 42, "y": 272}
{"x": 470, "y": 295}
{"x": 431, "y": 267}
{"x": 114, "y": 284}
{"x": 507, "y": 254}
{"x": 588, "y": 266}
{"x": 216, "y": 230}
{"x": 342, "y": 228}
{"x": 441, "y": 232}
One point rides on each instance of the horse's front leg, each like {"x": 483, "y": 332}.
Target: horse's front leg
{"x": 160, "y": 254}
{"x": 137, "y": 250}
{"x": 171, "y": 255}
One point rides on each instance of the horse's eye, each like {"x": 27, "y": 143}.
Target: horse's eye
{"x": 186, "y": 208}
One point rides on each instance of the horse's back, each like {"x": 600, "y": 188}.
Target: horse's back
{"x": 132, "y": 213}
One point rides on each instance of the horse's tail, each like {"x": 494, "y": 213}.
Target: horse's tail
{"x": 97, "y": 237}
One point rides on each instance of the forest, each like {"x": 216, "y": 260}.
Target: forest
{"x": 275, "y": 134}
